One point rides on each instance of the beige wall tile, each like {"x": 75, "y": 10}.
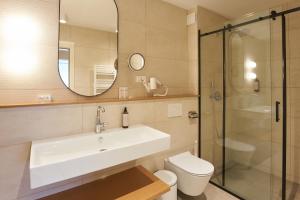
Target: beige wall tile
{"x": 31, "y": 96}
{"x": 295, "y": 164}
{"x": 293, "y": 23}
{"x": 295, "y": 102}
{"x": 193, "y": 76}
{"x": 38, "y": 77}
{"x": 294, "y": 72}
{"x": 160, "y": 44}
{"x": 294, "y": 135}
{"x": 193, "y": 42}
{"x": 12, "y": 170}
{"x": 42, "y": 15}
{"x": 132, "y": 10}
{"x": 132, "y": 37}
{"x": 160, "y": 68}
{"x": 165, "y": 16}
{"x": 294, "y": 42}
{"x": 208, "y": 20}
{"x": 20, "y": 125}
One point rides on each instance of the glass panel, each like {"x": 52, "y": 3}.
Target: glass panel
{"x": 211, "y": 102}
{"x": 277, "y": 92}
{"x": 248, "y": 157}
{"x": 293, "y": 97}
{"x": 248, "y": 119}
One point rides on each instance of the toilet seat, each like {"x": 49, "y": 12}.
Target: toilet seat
{"x": 192, "y": 164}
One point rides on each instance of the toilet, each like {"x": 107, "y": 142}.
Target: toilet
{"x": 193, "y": 173}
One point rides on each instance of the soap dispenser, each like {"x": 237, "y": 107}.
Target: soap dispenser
{"x": 125, "y": 120}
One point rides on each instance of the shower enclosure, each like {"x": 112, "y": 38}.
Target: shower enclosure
{"x": 245, "y": 104}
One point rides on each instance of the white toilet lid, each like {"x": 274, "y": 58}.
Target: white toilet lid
{"x": 166, "y": 176}
{"x": 192, "y": 164}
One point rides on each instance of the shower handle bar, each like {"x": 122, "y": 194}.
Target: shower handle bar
{"x": 277, "y": 111}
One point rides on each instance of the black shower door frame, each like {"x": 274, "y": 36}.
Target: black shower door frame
{"x": 273, "y": 16}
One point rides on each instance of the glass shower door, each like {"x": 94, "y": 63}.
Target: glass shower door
{"x": 248, "y": 112}
{"x": 242, "y": 99}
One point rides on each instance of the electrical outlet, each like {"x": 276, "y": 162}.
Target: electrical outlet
{"x": 45, "y": 98}
{"x": 140, "y": 79}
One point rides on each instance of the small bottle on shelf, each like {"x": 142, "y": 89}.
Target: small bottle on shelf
{"x": 125, "y": 120}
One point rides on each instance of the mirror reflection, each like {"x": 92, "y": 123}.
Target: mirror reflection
{"x": 88, "y": 45}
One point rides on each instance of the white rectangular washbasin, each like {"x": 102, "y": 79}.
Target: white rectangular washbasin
{"x": 59, "y": 159}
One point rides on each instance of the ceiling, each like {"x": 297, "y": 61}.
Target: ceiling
{"x": 232, "y": 9}
{"x": 95, "y": 14}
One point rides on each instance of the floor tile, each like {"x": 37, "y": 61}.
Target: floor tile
{"x": 211, "y": 193}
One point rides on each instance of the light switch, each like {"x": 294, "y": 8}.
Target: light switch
{"x": 140, "y": 79}
{"x": 175, "y": 110}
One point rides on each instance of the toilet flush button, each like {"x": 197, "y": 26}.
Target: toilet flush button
{"x": 175, "y": 110}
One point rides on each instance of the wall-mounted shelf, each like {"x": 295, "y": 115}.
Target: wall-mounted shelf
{"x": 143, "y": 185}
{"x": 93, "y": 100}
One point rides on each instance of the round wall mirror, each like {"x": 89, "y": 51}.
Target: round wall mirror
{"x": 88, "y": 45}
{"x": 136, "y": 61}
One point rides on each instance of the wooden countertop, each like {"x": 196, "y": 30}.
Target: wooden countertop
{"x": 92, "y": 100}
{"x": 133, "y": 184}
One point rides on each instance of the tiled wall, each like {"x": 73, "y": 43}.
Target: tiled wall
{"x": 19, "y": 126}
{"x": 293, "y": 133}
{"x": 293, "y": 45}
{"x": 146, "y": 26}
{"x": 156, "y": 29}
{"x": 193, "y": 53}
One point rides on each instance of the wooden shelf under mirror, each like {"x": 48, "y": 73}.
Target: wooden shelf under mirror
{"x": 135, "y": 183}
{"x": 86, "y": 101}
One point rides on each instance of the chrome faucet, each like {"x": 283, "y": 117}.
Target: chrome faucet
{"x": 100, "y": 126}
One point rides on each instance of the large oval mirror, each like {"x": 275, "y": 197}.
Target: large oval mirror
{"x": 88, "y": 45}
